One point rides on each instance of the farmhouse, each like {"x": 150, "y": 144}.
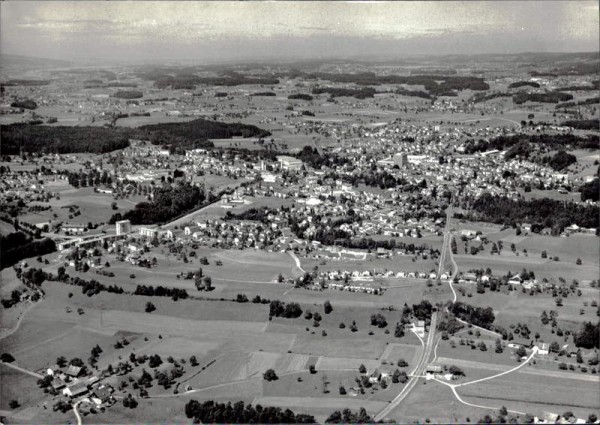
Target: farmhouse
{"x": 73, "y": 371}
{"x": 433, "y": 370}
{"x": 75, "y": 390}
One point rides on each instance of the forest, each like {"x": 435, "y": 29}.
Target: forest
{"x": 447, "y": 87}
{"x": 583, "y": 124}
{"x": 61, "y": 139}
{"x": 300, "y": 96}
{"x": 26, "y": 83}
{"x": 128, "y": 94}
{"x": 187, "y": 81}
{"x": 24, "y": 103}
{"x": 549, "y": 141}
{"x": 523, "y": 83}
{"x": 16, "y": 246}
{"x": 361, "y": 93}
{"x": 200, "y": 129}
{"x": 591, "y": 190}
{"x": 541, "y": 213}
{"x": 549, "y": 97}
{"x": 238, "y": 413}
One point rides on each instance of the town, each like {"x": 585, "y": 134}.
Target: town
{"x": 308, "y": 242}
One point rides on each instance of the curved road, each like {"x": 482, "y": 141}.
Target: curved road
{"x": 77, "y": 415}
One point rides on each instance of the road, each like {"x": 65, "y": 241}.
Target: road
{"x": 453, "y": 387}
{"x": 417, "y": 373}
{"x": 20, "y": 369}
{"x": 79, "y": 421}
{"x": 186, "y": 218}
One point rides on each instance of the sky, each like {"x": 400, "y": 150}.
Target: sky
{"x": 226, "y": 31}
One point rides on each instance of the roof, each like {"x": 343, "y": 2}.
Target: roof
{"x": 73, "y": 370}
{"x": 78, "y": 388}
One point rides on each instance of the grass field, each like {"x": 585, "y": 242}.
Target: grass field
{"x": 535, "y": 394}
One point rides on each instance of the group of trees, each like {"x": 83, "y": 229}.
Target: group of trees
{"x": 280, "y": 309}
{"x": 16, "y": 246}
{"x": 559, "y": 161}
{"x": 169, "y": 202}
{"x": 161, "y": 291}
{"x": 588, "y": 335}
{"x": 349, "y": 417}
{"x": 238, "y": 413}
{"x": 479, "y": 316}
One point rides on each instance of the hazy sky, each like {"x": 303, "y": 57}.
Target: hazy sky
{"x": 212, "y": 31}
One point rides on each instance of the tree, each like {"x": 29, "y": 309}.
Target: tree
{"x": 270, "y": 375}
{"x": 13, "y": 404}
{"x": 342, "y": 390}
{"x": 362, "y": 368}
{"x": 207, "y": 283}
{"x": 521, "y": 352}
{"x": 402, "y": 363}
{"x": 7, "y": 358}
{"x": 554, "y": 347}
{"x": 327, "y": 307}
{"x": 150, "y": 307}
{"x": 312, "y": 369}
{"x": 61, "y": 361}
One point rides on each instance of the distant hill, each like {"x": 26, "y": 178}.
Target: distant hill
{"x": 13, "y": 62}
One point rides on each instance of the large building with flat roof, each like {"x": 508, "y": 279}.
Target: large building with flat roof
{"x": 123, "y": 227}
{"x": 289, "y": 162}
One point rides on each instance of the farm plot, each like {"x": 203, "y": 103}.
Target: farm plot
{"x": 435, "y": 402}
{"x": 326, "y": 405}
{"x": 351, "y": 347}
{"x": 15, "y": 385}
{"x": 535, "y": 394}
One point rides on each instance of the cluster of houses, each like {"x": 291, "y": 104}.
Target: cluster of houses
{"x": 72, "y": 383}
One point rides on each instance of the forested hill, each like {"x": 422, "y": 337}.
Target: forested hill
{"x": 61, "y": 139}
{"x": 200, "y": 129}
{"x": 540, "y": 213}
{"x": 47, "y": 139}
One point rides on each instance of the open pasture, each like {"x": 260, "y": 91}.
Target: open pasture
{"x": 508, "y": 261}
{"x": 360, "y": 348}
{"x": 435, "y": 401}
{"x": 15, "y": 385}
{"x": 319, "y": 407}
{"x": 535, "y": 394}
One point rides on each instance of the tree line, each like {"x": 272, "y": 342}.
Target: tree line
{"x": 238, "y": 413}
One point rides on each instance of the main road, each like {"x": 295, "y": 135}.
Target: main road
{"x": 417, "y": 373}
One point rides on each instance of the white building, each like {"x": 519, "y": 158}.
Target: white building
{"x": 123, "y": 227}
